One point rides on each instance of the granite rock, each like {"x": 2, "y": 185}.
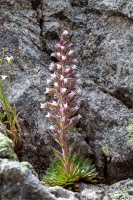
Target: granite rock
{"x": 102, "y": 35}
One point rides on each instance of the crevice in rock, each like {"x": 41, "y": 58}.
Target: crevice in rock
{"x": 105, "y": 171}
{"x": 110, "y": 13}
{"x": 75, "y": 3}
{"x": 41, "y": 26}
{"x": 119, "y": 96}
{"x": 36, "y": 4}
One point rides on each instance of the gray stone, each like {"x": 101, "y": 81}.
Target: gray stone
{"x": 102, "y": 32}
{"x": 93, "y": 195}
{"x": 119, "y": 190}
{"x": 130, "y": 191}
{"x": 17, "y": 182}
{"x": 61, "y": 192}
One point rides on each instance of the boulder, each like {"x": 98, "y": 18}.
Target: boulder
{"x": 102, "y": 35}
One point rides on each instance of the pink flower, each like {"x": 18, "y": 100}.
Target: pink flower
{"x": 53, "y": 54}
{"x": 48, "y": 81}
{"x": 51, "y": 128}
{"x": 79, "y": 116}
{"x": 71, "y": 94}
{"x": 74, "y": 67}
{"x": 62, "y": 47}
{"x": 53, "y": 76}
{"x": 65, "y": 80}
{"x": 70, "y": 52}
{"x": 47, "y": 90}
{"x": 48, "y": 115}
{"x": 63, "y": 58}
{"x": 63, "y": 90}
{"x": 42, "y": 105}
{"x": 56, "y": 84}
{"x": 58, "y": 54}
{"x": 67, "y": 70}
{"x": 61, "y": 77}
{"x": 54, "y": 103}
{"x": 75, "y": 61}
{"x": 58, "y": 66}
{"x": 57, "y": 46}
{"x": 65, "y": 105}
{"x": 70, "y": 45}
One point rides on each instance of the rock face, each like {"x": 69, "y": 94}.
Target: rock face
{"x": 102, "y": 33}
{"x": 19, "y": 181}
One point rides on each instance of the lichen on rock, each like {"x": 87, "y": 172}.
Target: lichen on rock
{"x": 7, "y": 148}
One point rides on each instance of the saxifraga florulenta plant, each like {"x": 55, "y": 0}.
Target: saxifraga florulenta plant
{"x": 69, "y": 167}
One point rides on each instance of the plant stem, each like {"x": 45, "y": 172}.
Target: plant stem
{"x": 65, "y": 152}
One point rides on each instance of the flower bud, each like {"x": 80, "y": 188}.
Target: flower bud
{"x": 63, "y": 90}
{"x": 54, "y": 103}
{"x": 61, "y": 77}
{"x": 58, "y": 66}
{"x": 42, "y": 105}
{"x": 47, "y": 90}
{"x": 56, "y": 84}
{"x": 65, "y": 33}
{"x": 58, "y": 54}
{"x": 3, "y": 77}
{"x": 79, "y": 116}
{"x": 63, "y": 58}
{"x": 65, "y": 80}
{"x": 48, "y": 81}
{"x": 53, "y": 54}
{"x": 57, "y": 46}
{"x": 53, "y": 76}
{"x": 74, "y": 67}
{"x": 65, "y": 105}
{"x": 70, "y": 52}
{"x": 48, "y": 115}
{"x": 75, "y": 60}
{"x": 9, "y": 60}
{"x": 62, "y": 47}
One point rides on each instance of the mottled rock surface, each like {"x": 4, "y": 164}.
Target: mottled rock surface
{"x": 102, "y": 33}
{"x": 118, "y": 191}
{"x": 7, "y": 148}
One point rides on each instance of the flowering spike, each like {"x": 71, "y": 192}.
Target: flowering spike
{"x": 66, "y": 92}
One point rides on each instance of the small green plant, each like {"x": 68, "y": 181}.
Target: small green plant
{"x": 8, "y": 114}
{"x": 69, "y": 167}
{"x": 81, "y": 169}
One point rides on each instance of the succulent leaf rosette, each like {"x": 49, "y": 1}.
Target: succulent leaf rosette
{"x": 68, "y": 168}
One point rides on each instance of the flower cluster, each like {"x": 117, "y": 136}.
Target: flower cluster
{"x": 64, "y": 85}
